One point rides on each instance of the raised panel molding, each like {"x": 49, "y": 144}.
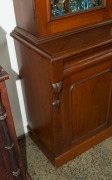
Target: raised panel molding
{"x": 89, "y": 103}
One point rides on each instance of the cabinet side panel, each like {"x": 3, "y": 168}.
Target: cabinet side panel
{"x": 25, "y": 15}
{"x": 36, "y": 88}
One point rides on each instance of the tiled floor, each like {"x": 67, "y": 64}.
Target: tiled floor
{"x": 94, "y": 164}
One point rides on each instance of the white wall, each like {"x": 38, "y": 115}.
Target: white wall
{"x": 9, "y": 62}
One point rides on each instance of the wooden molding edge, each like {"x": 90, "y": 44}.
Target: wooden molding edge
{"x": 35, "y": 39}
{"x": 32, "y": 44}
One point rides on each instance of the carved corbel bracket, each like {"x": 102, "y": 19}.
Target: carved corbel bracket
{"x": 57, "y": 89}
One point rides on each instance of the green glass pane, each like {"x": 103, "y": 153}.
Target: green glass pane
{"x": 60, "y": 7}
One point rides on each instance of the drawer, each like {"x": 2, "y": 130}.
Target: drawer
{"x": 87, "y": 59}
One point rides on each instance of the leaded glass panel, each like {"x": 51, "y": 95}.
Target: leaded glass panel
{"x": 60, "y": 7}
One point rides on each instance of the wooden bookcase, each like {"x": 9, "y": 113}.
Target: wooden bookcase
{"x": 65, "y": 63}
{"x": 11, "y": 165}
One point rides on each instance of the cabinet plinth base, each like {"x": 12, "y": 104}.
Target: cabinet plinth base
{"x": 76, "y": 150}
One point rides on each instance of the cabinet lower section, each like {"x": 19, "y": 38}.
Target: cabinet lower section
{"x": 84, "y": 116}
{"x": 68, "y": 101}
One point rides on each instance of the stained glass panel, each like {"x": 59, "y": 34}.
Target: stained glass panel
{"x": 60, "y": 7}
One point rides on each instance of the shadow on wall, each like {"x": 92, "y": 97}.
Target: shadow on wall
{"x": 11, "y": 83}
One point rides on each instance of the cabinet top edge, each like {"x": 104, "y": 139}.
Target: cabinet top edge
{"x": 63, "y": 46}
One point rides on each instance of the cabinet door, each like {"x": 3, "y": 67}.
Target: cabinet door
{"x": 86, "y": 104}
{"x": 62, "y": 15}
{"x": 45, "y": 17}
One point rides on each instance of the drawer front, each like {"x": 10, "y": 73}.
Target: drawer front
{"x": 87, "y": 59}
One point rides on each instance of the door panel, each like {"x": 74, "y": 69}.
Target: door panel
{"x": 89, "y": 105}
{"x": 86, "y": 105}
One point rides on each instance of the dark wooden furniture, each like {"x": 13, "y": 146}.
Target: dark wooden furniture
{"x": 11, "y": 166}
{"x": 65, "y": 64}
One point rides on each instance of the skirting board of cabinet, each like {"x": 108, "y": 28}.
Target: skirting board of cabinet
{"x": 76, "y": 150}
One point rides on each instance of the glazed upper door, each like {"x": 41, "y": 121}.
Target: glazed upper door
{"x": 46, "y": 17}
{"x": 62, "y": 15}
{"x": 62, "y": 7}
{"x": 87, "y": 104}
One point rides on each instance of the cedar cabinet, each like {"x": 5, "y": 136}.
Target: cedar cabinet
{"x": 64, "y": 52}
